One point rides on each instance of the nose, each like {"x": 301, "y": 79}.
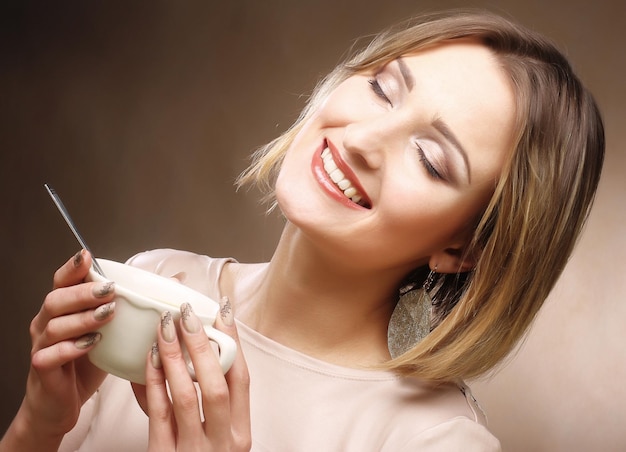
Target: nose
{"x": 372, "y": 140}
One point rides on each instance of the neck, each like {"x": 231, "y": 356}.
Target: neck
{"x": 307, "y": 301}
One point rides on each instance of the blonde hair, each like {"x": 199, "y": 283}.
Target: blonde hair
{"x": 529, "y": 228}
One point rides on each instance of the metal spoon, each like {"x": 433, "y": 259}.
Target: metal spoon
{"x": 70, "y": 223}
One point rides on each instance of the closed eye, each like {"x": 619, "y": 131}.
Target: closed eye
{"x": 378, "y": 90}
{"x": 430, "y": 169}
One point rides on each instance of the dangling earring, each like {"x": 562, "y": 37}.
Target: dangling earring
{"x": 411, "y": 318}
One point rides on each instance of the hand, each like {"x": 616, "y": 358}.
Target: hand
{"x": 61, "y": 378}
{"x": 220, "y": 420}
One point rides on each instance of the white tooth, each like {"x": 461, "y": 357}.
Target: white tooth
{"x": 329, "y": 165}
{"x": 350, "y": 192}
{"x": 336, "y": 175}
{"x": 343, "y": 184}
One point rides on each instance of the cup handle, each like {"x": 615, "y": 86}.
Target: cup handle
{"x": 227, "y": 350}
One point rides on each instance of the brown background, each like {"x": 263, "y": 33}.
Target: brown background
{"x": 141, "y": 114}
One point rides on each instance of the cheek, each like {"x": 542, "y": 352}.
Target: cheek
{"x": 432, "y": 217}
{"x": 350, "y": 101}
{"x": 292, "y": 179}
{"x": 291, "y": 198}
{"x": 295, "y": 188}
{"x": 297, "y": 159}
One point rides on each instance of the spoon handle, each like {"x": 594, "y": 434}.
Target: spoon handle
{"x": 70, "y": 223}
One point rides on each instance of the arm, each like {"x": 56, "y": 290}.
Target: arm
{"x": 61, "y": 378}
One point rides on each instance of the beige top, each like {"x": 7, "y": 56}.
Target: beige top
{"x": 298, "y": 403}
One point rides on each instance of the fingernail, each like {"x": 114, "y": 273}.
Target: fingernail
{"x": 226, "y": 311}
{"x": 168, "y": 329}
{"x": 103, "y": 289}
{"x": 190, "y": 321}
{"x": 78, "y": 258}
{"x": 104, "y": 311}
{"x": 155, "y": 358}
{"x": 87, "y": 340}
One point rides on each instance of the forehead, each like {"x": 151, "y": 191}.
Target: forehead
{"x": 468, "y": 70}
{"x": 463, "y": 83}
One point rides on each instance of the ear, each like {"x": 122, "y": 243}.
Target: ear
{"x": 452, "y": 260}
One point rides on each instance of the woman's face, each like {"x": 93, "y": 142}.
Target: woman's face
{"x": 419, "y": 145}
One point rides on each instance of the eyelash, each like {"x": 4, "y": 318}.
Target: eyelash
{"x": 430, "y": 169}
{"x": 378, "y": 90}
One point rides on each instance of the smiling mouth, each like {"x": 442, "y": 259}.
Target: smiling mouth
{"x": 340, "y": 180}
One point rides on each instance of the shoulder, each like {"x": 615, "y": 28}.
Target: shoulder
{"x": 455, "y": 434}
{"x": 157, "y": 261}
{"x": 439, "y": 417}
{"x": 197, "y": 271}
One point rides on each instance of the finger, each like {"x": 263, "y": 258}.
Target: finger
{"x": 213, "y": 386}
{"x": 76, "y": 298}
{"x": 155, "y": 401}
{"x": 74, "y": 325}
{"x": 237, "y": 377}
{"x": 51, "y": 358}
{"x": 183, "y": 392}
{"x": 73, "y": 271}
{"x": 69, "y": 300}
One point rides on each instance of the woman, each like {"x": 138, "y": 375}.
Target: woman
{"x": 458, "y": 153}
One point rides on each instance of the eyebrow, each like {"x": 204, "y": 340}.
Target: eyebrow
{"x": 438, "y": 123}
{"x": 407, "y": 76}
{"x": 443, "y": 128}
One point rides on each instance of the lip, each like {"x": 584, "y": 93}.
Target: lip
{"x": 329, "y": 187}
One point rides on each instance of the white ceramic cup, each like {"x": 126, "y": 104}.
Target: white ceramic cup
{"x": 140, "y": 299}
